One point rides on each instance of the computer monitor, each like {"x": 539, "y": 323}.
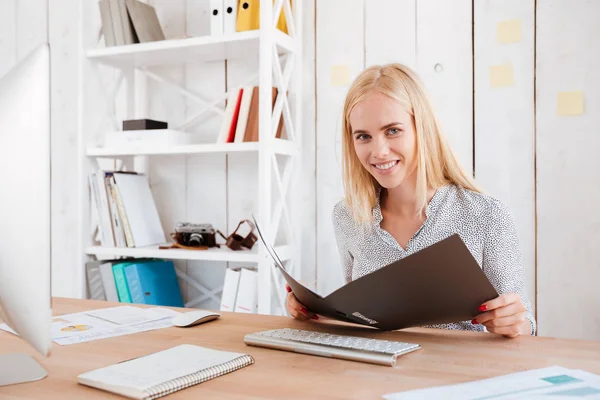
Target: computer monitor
{"x": 25, "y": 297}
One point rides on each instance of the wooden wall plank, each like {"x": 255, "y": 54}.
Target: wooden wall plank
{"x": 504, "y": 117}
{"x": 206, "y": 191}
{"x": 339, "y": 48}
{"x": 32, "y": 25}
{"x": 64, "y": 67}
{"x": 168, "y": 174}
{"x": 568, "y": 170}
{"x": 308, "y": 162}
{"x": 8, "y": 33}
{"x": 444, "y": 62}
{"x": 390, "y": 32}
{"x": 242, "y": 168}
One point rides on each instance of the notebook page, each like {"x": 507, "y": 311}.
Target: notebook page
{"x": 154, "y": 369}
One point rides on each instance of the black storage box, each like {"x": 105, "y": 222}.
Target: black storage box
{"x": 143, "y": 124}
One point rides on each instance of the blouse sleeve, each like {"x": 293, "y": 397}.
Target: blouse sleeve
{"x": 502, "y": 263}
{"x": 339, "y": 217}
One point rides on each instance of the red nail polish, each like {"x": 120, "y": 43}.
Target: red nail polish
{"x": 315, "y": 316}
{"x": 482, "y": 307}
{"x": 303, "y": 310}
{"x": 289, "y": 289}
{"x": 474, "y": 322}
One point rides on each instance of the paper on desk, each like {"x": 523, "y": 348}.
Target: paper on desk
{"x": 552, "y": 383}
{"x": 105, "y": 323}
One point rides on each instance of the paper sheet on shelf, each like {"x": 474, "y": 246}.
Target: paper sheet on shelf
{"x": 105, "y": 323}
{"x": 552, "y": 383}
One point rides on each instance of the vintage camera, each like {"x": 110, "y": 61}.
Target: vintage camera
{"x": 195, "y": 235}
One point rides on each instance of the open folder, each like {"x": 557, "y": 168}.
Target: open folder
{"x": 442, "y": 283}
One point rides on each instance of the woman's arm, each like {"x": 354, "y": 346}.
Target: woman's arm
{"x": 503, "y": 266}
{"x": 339, "y": 218}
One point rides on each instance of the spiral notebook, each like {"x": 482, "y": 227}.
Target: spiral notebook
{"x": 164, "y": 372}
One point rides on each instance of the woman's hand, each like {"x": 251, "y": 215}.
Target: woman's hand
{"x": 295, "y": 308}
{"x": 504, "y": 315}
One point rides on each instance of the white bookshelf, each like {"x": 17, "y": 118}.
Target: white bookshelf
{"x": 172, "y": 52}
{"x": 135, "y": 64}
{"x": 280, "y": 146}
{"x": 212, "y": 254}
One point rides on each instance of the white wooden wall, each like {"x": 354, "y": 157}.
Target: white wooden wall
{"x": 350, "y": 36}
{"x": 568, "y": 169}
{"x": 504, "y": 118}
{"x": 543, "y": 165}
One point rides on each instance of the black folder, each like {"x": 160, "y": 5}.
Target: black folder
{"x": 442, "y": 283}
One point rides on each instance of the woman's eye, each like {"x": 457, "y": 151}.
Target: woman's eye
{"x": 393, "y": 131}
{"x": 362, "y": 136}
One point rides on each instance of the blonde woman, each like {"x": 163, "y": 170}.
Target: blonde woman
{"x": 404, "y": 191}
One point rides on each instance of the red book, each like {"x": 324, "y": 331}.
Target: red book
{"x": 234, "y": 119}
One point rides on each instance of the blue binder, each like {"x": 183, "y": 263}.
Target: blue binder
{"x": 153, "y": 282}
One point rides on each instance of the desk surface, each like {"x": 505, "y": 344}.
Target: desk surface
{"x": 446, "y": 357}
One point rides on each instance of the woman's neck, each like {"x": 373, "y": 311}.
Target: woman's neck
{"x": 401, "y": 201}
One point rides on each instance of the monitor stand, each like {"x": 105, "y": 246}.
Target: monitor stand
{"x": 19, "y": 368}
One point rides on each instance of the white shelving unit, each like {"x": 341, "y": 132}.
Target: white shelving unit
{"x": 135, "y": 64}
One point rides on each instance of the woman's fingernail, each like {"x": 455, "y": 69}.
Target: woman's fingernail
{"x": 474, "y": 322}
{"x": 482, "y": 307}
{"x": 303, "y": 310}
{"x": 289, "y": 289}
{"x": 315, "y": 316}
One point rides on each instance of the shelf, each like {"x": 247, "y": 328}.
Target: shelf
{"x": 212, "y": 254}
{"x": 280, "y": 146}
{"x": 175, "y": 52}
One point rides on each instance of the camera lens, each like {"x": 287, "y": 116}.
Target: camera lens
{"x": 196, "y": 239}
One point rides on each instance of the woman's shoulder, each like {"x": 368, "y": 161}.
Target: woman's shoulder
{"x": 480, "y": 203}
{"x": 341, "y": 214}
{"x": 342, "y": 217}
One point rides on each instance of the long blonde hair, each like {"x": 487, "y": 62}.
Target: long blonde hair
{"x": 436, "y": 163}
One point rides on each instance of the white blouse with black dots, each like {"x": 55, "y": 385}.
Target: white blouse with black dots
{"x": 484, "y": 224}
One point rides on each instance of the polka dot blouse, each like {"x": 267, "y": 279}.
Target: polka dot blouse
{"x": 484, "y": 224}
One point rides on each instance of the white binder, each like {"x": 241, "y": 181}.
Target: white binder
{"x": 216, "y": 17}
{"x": 247, "y": 298}
{"x": 229, "y": 16}
{"x": 230, "y": 289}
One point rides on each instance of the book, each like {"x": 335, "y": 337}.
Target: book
{"x": 229, "y": 15}
{"x": 139, "y": 207}
{"x": 153, "y": 282}
{"x": 158, "y": 374}
{"x": 247, "y": 297}
{"x": 230, "y": 289}
{"x": 145, "y": 21}
{"x": 107, "y": 25}
{"x": 251, "y": 134}
{"x": 216, "y": 17}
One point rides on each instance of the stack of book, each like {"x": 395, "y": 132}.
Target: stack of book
{"x": 139, "y": 281}
{"x": 240, "y": 122}
{"x": 128, "y": 22}
{"x": 124, "y": 210}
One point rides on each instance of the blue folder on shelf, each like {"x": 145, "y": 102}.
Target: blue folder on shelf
{"x": 153, "y": 283}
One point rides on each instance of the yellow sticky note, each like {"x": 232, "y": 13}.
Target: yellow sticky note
{"x": 501, "y": 75}
{"x": 509, "y": 31}
{"x": 569, "y": 103}
{"x": 339, "y": 75}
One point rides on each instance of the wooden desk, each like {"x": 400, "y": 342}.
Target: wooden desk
{"x": 446, "y": 357}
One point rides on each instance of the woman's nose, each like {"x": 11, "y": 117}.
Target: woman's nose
{"x": 381, "y": 148}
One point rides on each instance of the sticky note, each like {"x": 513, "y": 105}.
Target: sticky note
{"x": 509, "y": 31}
{"x": 569, "y": 103}
{"x": 501, "y": 75}
{"x": 339, "y": 75}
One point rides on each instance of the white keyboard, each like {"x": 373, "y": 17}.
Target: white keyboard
{"x": 374, "y": 351}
